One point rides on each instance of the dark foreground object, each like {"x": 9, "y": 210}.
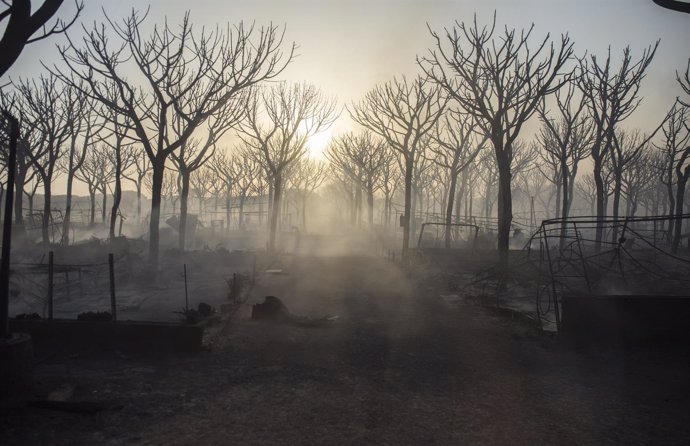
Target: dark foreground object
{"x": 16, "y": 364}
{"x": 627, "y": 321}
{"x": 125, "y": 335}
{"x": 272, "y": 308}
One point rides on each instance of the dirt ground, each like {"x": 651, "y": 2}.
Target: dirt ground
{"x": 399, "y": 366}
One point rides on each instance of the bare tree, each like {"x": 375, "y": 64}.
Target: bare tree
{"x": 612, "y": 96}
{"x": 402, "y": 112}
{"x": 567, "y": 140}
{"x": 24, "y": 25}
{"x": 279, "y": 122}
{"x": 221, "y": 163}
{"x": 360, "y": 157}
{"x": 586, "y": 188}
{"x": 83, "y": 128}
{"x": 29, "y": 136}
{"x": 200, "y": 182}
{"x": 189, "y": 75}
{"x": 308, "y": 176}
{"x": 500, "y": 80}
{"x": 21, "y": 26}
{"x": 456, "y": 146}
{"x": 389, "y": 181}
{"x": 122, "y": 157}
{"x": 191, "y": 156}
{"x": 641, "y": 175}
{"x": 626, "y": 149}
{"x": 674, "y": 155}
{"x": 244, "y": 169}
{"x": 681, "y": 126}
{"x": 96, "y": 171}
{"x": 51, "y": 111}
{"x": 142, "y": 166}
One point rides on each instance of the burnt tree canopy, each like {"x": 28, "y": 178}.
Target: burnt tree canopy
{"x": 185, "y": 74}
{"x": 500, "y": 78}
{"x": 674, "y": 5}
{"x": 22, "y": 27}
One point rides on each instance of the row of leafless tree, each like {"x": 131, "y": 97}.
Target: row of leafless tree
{"x": 153, "y": 108}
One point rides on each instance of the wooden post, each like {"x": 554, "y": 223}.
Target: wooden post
{"x": 50, "y": 285}
{"x": 111, "y": 267}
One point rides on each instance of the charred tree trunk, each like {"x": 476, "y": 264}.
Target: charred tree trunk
{"x": 505, "y": 209}
{"x": 240, "y": 214}
{"x": 117, "y": 194}
{"x": 92, "y": 209}
{"x": 68, "y": 208}
{"x": 158, "y": 166}
{"x": 671, "y": 211}
{"x": 19, "y": 181}
{"x": 449, "y": 204}
{"x": 139, "y": 202}
{"x": 45, "y": 224}
{"x": 409, "y": 168}
{"x": 228, "y": 207}
{"x": 566, "y": 202}
{"x": 600, "y": 203}
{"x": 370, "y": 203}
{"x": 184, "y": 203}
{"x": 275, "y": 210}
{"x": 104, "y": 203}
{"x": 678, "y": 225}
{"x": 616, "y": 206}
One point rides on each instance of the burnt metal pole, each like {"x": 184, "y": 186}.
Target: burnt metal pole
{"x": 7, "y": 227}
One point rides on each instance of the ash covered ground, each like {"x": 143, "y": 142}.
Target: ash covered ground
{"x": 401, "y": 365}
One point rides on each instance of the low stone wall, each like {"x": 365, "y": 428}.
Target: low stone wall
{"x": 123, "y": 335}
{"x": 626, "y": 320}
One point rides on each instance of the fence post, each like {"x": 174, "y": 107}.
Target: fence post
{"x": 111, "y": 267}
{"x": 50, "y": 285}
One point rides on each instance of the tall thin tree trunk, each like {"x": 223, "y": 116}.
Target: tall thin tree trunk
{"x": 450, "y": 202}
{"x": 158, "y": 166}
{"x": 409, "y": 167}
{"x": 565, "y": 202}
{"x": 680, "y": 200}
{"x": 370, "y": 203}
{"x": 19, "y": 181}
{"x": 117, "y": 194}
{"x": 505, "y": 210}
{"x": 600, "y": 204}
{"x": 139, "y": 201}
{"x": 184, "y": 202}
{"x": 46, "y": 211}
{"x": 104, "y": 191}
{"x": 616, "y": 207}
{"x": 275, "y": 211}
{"x": 92, "y": 213}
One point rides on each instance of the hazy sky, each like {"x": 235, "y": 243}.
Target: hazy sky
{"x": 347, "y": 47}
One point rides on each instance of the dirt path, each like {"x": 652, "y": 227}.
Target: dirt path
{"x": 400, "y": 366}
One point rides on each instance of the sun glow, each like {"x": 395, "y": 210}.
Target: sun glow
{"x": 318, "y": 142}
